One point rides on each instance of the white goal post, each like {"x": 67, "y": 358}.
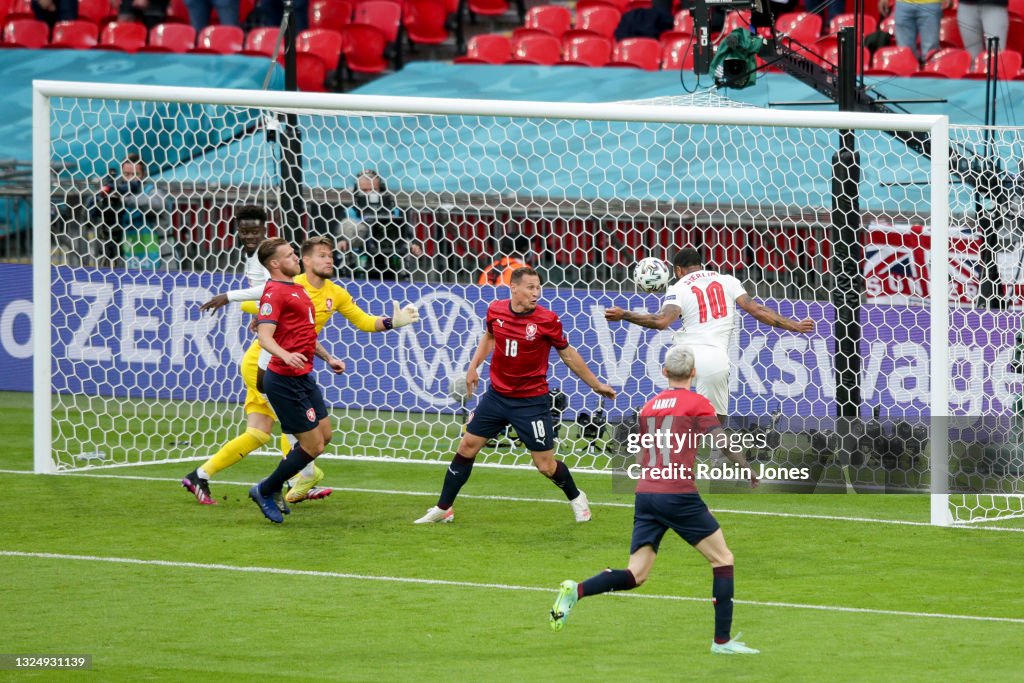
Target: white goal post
{"x": 126, "y": 372}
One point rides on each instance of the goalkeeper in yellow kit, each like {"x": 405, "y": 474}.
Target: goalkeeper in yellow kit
{"x": 328, "y": 298}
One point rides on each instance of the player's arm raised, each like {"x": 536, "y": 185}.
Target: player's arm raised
{"x": 772, "y": 318}
{"x": 265, "y": 332}
{"x": 668, "y": 314}
{"x": 574, "y": 361}
{"x": 483, "y": 350}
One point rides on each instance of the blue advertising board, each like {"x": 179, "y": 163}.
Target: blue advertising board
{"x": 140, "y": 334}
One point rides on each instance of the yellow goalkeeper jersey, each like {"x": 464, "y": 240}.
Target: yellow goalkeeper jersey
{"x": 330, "y": 299}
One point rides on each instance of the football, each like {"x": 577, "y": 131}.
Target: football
{"x": 652, "y": 274}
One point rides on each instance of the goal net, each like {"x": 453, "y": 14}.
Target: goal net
{"x": 127, "y": 371}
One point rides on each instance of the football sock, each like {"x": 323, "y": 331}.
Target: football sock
{"x": 235, "y": 450}
{"x": 721, "y": 589}
{"x": 563, "y": 480}
{"x": 286, "y": 469}
{"x": 454, "y": 478}
{"x": 308, "y": 472}
{"x": 608, "y": 580}
{"x": 288, "y": 442}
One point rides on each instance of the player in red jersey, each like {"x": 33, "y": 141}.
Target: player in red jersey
{"x": 287, "y": 330}
{"x": 671, "y": 426}
{"x": 521, "y": 335}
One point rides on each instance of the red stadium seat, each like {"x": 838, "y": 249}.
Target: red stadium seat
{"x": 332, "y": 14}
{"x": 683, "y": 22}
{"x": 363, "y": 46}
{"x": 245, "y": 8}
{"x": 74, "y": 35}
{"x": 888, "y": 25}
{"x": 1007, "y": 63}
{"x": 949, "y": 33}
{"x": 733, "y": 20}
{"x": 424, "y": 21}
{"x": 869, "y": 23}
{"x": 536, "y": 49}
{"x": 19, "y": 9}
{"x": 951, "y": 62}
{"x": 586, "y": 50}
{"x": 124, "y": 36}
{"x": 1015, "y": 35}
{"x": 171, "y": 38}
{"x": 26, "y": 33}
{"x": 96, "y": 11}
{"x": 801, "y": 27}
{"x": 220, "y": 40}
{"x": 322, "y": 42}
{"x": 553, "y": 19}
{"x": 487, "y": 48}
{"x": 261, "y": 42}
{"x": 620, "y": 5}
{"x": 830, "y": 57}
{"x": 640, "y": 53}
{"x": 894, "y": 61}
{"x": 677, "y": 53}
{"x": 488, "y": 8}
{"x": 1016, "y": 8}
{"x": 600, "y": 20}
{"x": 311, "y": 71}
{"x": 385, "y": 15}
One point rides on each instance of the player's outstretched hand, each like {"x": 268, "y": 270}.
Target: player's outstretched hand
{"x": 215, "y": 303}
{"x": 406, "y": 315}
{"x": 472, "y": 379}
{"x": 614, "y": 313}
{"x": 293, "y": 360}
{"x": 337, "y": 365}
{"x": 805, "y": 326}
{"x": 605, "y": 390}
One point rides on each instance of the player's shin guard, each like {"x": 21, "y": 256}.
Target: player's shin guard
{"x": 563, "y": 480}
{"x": 286, "y": 469}
{"x": 606, "y": 581}
{"x": 454, "y": 479}
{"x": 721, "y": 589}
{"x": 235, "y": 450}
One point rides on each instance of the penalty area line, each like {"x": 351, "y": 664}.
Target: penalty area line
{"x": 474, "y": 584}
{"x": 520, "y": 499}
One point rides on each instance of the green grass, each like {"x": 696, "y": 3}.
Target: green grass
{"x": 147, "y": 622}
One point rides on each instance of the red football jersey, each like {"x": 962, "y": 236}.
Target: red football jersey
{"x": 522, "y": 345}
{"x": 287, "y": 305}
{"x": 671, "y": 425}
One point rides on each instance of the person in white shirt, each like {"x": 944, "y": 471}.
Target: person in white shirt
{"x": 706, "y": 300}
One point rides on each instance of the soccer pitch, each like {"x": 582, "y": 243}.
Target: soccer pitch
{"x": 123, "y": 565}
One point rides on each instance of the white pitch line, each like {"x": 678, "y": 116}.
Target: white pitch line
{"x": 474, "y": 584}
{"x": 515, "y": 499}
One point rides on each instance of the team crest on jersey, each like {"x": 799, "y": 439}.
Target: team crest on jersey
{"x": 266, "y": 309}
{"x": 311, "y": 415}
{"x": 531, "y": 332}
{"x": 329, "y": 304}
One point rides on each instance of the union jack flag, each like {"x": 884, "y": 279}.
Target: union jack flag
{"x": 897, "y": 258}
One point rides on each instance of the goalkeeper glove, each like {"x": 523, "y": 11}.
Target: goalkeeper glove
{"x": 403, "y": 316}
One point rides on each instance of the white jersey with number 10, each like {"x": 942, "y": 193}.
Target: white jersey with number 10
{"x": 707, "y": 300}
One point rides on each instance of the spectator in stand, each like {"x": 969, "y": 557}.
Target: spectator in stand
{"x": 916, "y": 19}
{"x": 500, "y": 272}
{"x": 419, "y": 267}
{"x": 349, "y": 259}
{"x": 148, "y": 12}
{"x": 383, "y": 224}
{"x": 981, "y": 19}
{"x": 131, "y": 218}
{"x": 52, "y": 11}
{"x": 199, "y": 12}
{"x": 272, "y": 12}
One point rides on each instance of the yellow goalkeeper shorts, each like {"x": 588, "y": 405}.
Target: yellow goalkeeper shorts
{"x": 255, "y": 402}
